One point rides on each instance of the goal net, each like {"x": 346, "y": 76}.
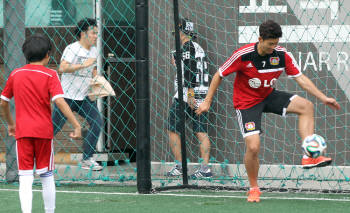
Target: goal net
{"x": 315, "y": 32}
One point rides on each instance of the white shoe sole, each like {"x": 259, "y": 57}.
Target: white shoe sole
{"x": 93, "y": 168}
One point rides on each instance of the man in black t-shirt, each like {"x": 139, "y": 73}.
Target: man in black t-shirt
{"x": 195, "y": 87}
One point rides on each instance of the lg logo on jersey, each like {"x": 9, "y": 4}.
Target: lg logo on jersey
{"x": 256, "y": 82}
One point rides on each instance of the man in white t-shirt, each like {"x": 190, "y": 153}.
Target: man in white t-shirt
{"x": 78, "y": 67}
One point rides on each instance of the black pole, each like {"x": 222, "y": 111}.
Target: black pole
{"x": 180, "y": 91}
{"x": 143, "y": 154}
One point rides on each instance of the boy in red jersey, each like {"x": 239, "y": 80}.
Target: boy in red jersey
{"x": 257, "y": 67}
{"x": 32, "y": 86}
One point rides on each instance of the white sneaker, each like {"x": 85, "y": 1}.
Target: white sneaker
{"x": 91, "y": 164}
{"x": 175, "y": 171}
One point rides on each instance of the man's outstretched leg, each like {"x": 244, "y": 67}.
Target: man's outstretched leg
{"x": 305, "y": 110}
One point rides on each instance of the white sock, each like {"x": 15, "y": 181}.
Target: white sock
{"x": 255, "y": 188}
{"x": 26, "y": 192}
{"x": 49, "y": 191}
{"x": 305, "y": 157}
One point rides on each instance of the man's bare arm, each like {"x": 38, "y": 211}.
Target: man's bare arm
{"x": 66, "y": 67}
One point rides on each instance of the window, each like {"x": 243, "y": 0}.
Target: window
{"x": 119, "y": 12}
{"x": 41, "y": 13}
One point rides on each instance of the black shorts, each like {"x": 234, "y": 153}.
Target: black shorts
{"x": 199, "y": 123}
{"x": 249, "y": 120}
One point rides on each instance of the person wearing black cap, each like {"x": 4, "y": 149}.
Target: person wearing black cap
{"x": 195, "y": 87}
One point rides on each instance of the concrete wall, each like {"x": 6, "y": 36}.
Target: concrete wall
{"x": 219, "y": 25}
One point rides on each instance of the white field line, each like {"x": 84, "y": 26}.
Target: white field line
{"x": 200, "y": 196}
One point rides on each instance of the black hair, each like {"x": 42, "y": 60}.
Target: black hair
{"x": 36, "y": 47}
{"x": 83, "y": 26}
{"x": 270, "y": 29}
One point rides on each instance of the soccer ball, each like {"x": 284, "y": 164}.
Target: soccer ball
{"x": 314, "y": 146}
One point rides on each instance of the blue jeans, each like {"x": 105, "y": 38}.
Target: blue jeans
{"x": 89, "y": 111}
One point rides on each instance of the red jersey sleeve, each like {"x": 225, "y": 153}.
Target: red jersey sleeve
{"x": 55, "y": 87}
{"x": 291, "y": 66}
{"x": 7, "y": 93}
{"x": 232, "y": 64}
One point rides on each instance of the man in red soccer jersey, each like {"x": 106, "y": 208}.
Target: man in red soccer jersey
{"x": 32, "y": 86}
{"x": 257, "y": 67}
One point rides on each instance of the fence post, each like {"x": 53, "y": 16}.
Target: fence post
{"x": 14, "y": 36}
{"x": 143, "y": 156}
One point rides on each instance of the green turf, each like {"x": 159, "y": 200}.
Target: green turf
{"x": 163, "y": 202}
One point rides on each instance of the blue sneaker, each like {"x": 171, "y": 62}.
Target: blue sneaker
{"x": 202, "y": 172}
{"x": 176, "y": 171}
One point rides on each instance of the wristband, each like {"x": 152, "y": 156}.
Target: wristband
{"x": 190, "y": 94}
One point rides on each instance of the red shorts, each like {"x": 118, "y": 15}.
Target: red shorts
{"x": 34, "y": 151}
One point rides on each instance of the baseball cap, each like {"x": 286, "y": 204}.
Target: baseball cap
{"x": 186, "y": 26}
